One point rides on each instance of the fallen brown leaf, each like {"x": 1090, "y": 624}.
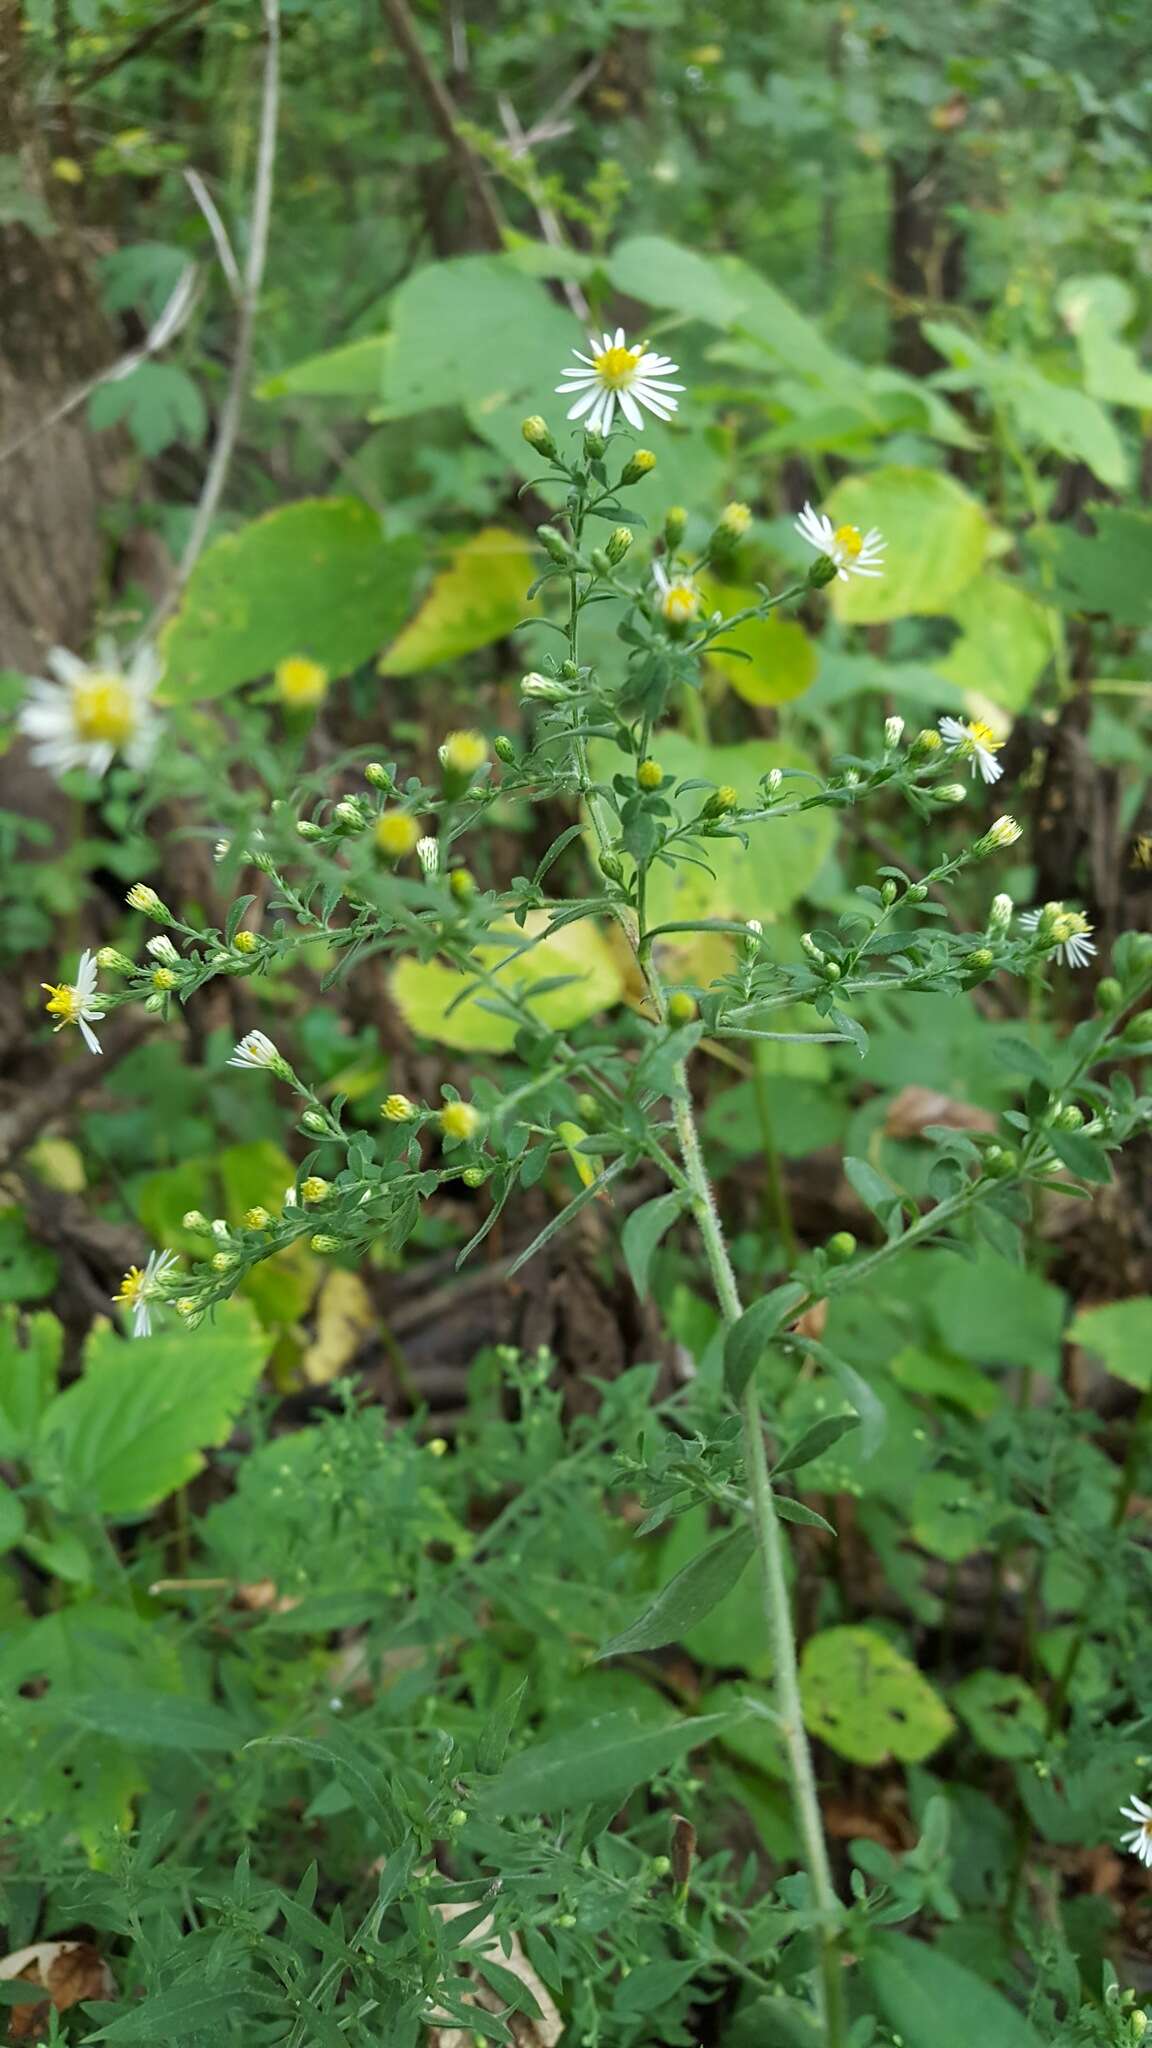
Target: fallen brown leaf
{"x": 67, "y": 1970}
{"x": 913, "y": 1109}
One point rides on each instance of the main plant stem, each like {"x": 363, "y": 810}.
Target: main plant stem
{"x": 765, "y": 1521}
{"x": 773, "y": 1582}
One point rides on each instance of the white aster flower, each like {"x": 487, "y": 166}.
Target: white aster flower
{"x": 91, "y": 711}
{"x": 975, "y": 740}
{"x": 1067, "y": 930}
{"x": 77, "y": 1002}
{"x": 141, "y": 1286}
{"x": 256, "y": 1050}
{"x": 677, "y": 597}
{"x": 1139, "y": 1841}
{"x": 893, "y": 731}
{"x": 615, "y": 374}
{"x": 854, "y": 553}
{"x": 428, "y": 855}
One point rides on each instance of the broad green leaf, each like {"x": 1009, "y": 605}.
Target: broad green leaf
{"x": 948, "y": 1379}
{"x": 932, "y": 2002}
{"x": 782, "y": 660}
{"x": 427, "y": 992}
{"x": 605, "y": 1758}
{"x": 162, "y": 1200}
{"x": 29, "y": 1356}
{"x": 993, "y": 1312}
{"x": 317, "y": 578}
{"x": 1096, "y": 310}
{"x": 663, "y": 273}
{"x": 1002, "y": 1712}
{"x": 136, "y": 1425}
{"x": 1005, "y": 643}
{"x": 474, "y": 331}
{"x": 1102, "y": 572}
{"x": 157, "y": 402}
{"x": 28, "y": 1270}
{"x": 936, "y": 534}
{"x": 1045, "y": 414}
{"x": 951, "y": 1517}
{"x": 687, "y": 1599}
{"x": 155, "y": 1720}
{"x": 867, "y": 1701}
{"x": 1119, "y": 1332}
{"x": 478, "y": 598}
{"x": 352, "y": 371}
{"x": 642, "y": 1233}
{"x": 782, "y": 859}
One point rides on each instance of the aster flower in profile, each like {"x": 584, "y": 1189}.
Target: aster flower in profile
{"x": 618, "y": 375}
{"x": 141, "y": 1286}
{"x": 86, "y": 713}
{"x": 851, "y": 552}
{"x": 77, "y": 1002}
{"x": 1067, "y": 931}
{"x": 975, "y": 741}
{"x": 1139, "y": 1840}
{"x": 257, "y": 1050}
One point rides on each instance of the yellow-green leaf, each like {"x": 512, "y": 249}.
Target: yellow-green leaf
{"x": 426, "y": 991}
{"x": 936, "y": 535}
{"x": 782, "y": 660}
{"x": 477, "y": 599}
{"x": 867, "y": 1701}
{"x": 1005, "y": 642}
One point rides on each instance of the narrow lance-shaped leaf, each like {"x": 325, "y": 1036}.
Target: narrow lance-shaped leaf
{"x": 688, "y": 1597}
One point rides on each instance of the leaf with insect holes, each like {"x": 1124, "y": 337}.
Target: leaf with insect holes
{"x": 867, "y": 1701}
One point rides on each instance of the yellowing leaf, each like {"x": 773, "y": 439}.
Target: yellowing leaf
{"x": 1005, "y": 642}
{"x": 427, "y": 992}
{"x": 936, "y": 535}
{"x": 867, "y": 1701}
{"x": 344, "y": 1315}
{"x": 477, "y": 599}
{"x": 782, "y": 660}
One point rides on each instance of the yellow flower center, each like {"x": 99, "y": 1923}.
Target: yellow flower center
{"x": 849, "y": 540}
{"x": 63, "y": 1002}
{"x": 982, "y": 735}
{"x": 680, "y": 602}
{"x": 103, "y": 709}
{"x": 616, "y": 366}
{"x": 131, "y": 1287}
{"x": 300, "y": 682}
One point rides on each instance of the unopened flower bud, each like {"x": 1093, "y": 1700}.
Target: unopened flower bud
{"x": 618, "y": 543}
{"x": 164, "y": 980}
{"x": 315, "y": 1188}
{"x": 916, "y": 892}
{"x": 323, "y": 1243}
{"x": 770, "y": 783}
{"x": 474, "y": 1176}
{"x": 721, "y": 802}
{"x": 141, "y": 897}
{"x": 536, "y": 432}
{"x": 889, "y": 893}
{"x": 315, "y": 1121}
{"x": 503, "y": 749}
{"x": 1005, "y": 832}
{"x": 639, "y": 465}
{"x": 733, "y": 522}
{"x": 682, "y": 1008}
{"x": 612, "y": 866}
{"x": 649, "y": 775}
{"x": 949, "y": 793}
{"x": 462, "y": 884}
{"x": 397, "y": 1109}
{"x": 161, "y": 948}
{"x": 186, "y": 1306}
{"x": 1069, "y": 1118}
{"x": 554, "y": 544}
{"x": 428, "y": 855}
{"x": 1000, "y": 914}
{"x": 223, "y": 1262}
{"x": 893, "y": 731}
{"x": 813, "y": 951}
{"x": 600, "y": 562}
{"x": 222, "y": 849}
{"x": 1109, "y": 995}
{"x": 245, "y": 941}
{"x": 927, "y": 741}
{"x": 841, "y": 1247}
{"x": 376, "y": 776}
{"x": 348, "y": 815}
{"x": 594, "y": 444}
{"x": 194, "y": 1219}
{"x": 436, "y": 1446}
{"x": 545, "y": 689}
{"x": 257, "y": 1218}
{"x": 675, "y": 521}
{"x": 305, "y": 829}
{"x": 396, "y": 834}
{"x": 462, "y": 756}
{"x": 999, "y": 1162}
{"x": 980, "y": 961}
{"x": 115, "y": 962}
